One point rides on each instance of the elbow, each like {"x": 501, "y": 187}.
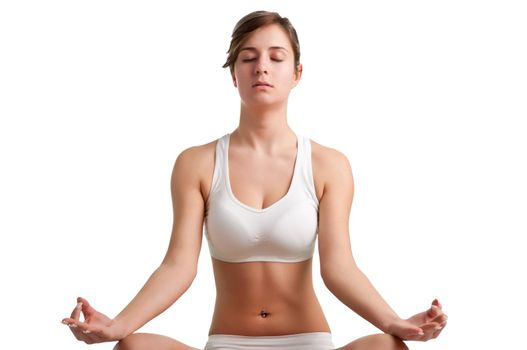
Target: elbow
{"x": 191, "y": 272}
{"x": 328, "y": 280}
{"x": 327, "y": 276}
{"x": 193, "y": 275}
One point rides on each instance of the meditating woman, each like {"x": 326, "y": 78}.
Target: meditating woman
{"x": 264, "y": 194}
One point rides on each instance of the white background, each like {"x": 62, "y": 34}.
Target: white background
{"x": 426, "y": 99}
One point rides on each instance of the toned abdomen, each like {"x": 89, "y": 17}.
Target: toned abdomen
{"x": 265, "y": 298}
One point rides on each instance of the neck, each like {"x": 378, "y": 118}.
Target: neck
{"x": 264, "y": 128}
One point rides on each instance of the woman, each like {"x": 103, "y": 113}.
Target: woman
{"x": 263, "y": 193}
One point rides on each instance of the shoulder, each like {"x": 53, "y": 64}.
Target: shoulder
{"x": 194, "y": 161}
{"x": 196, "y": 156}
{"x": 332, "y": 166}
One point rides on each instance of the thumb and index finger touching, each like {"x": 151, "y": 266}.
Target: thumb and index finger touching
{"x": 436, "y": 310}
{"x": 435, "y": 315}
{"x": 84, "y": 307}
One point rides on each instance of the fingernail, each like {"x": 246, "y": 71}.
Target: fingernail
{"x": 79, "y": 305}
{"x": 86, "y": 331}
{"x": 64, "y": 322}
{"x": 73, "y": 325}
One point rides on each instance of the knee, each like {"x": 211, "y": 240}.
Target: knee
{"x": 385, "y": 341}
{"x": 396, "y": 343}
{"x": 130, "y": 342}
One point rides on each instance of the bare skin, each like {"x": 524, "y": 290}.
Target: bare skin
{"x": 278, "y": 298}
{"x": 260, "y": 298}
{"x": 292, "y": 307}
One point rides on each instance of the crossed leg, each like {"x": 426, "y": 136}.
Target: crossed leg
{"x": 148, "y": 341}
{"x": 376, "y": 342}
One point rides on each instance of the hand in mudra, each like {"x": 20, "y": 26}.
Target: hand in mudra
{"x": 96, "y": 328}
{"x": 423, "y": 326}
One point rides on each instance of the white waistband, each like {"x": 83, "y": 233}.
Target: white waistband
{"x": 297, "y": 341}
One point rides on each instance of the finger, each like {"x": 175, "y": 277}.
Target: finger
{"x": 75, "y": 314}
{"x": 437, "y": 303}
{"x": 75, "y": 328}
{"x": 75, "y": 323}
{"x": 430, "y": 328}
{"x": 87, "y": 309}
{"x": 71, "y": 324}
{"x": 429, "y": 325}
{"x": 411, "y": 332}
{"x": 436, "y": 315}
{"x": 416, "y": 333}
{"x": 415, "y": 336}
{"x": 436, "y": 333}
{"x": 423, "y": 336}
{"x": 440, "y": 318}
{"x": 86, "y": 332}
{"x": 433, "y": 312}
{"x": 443, "y": 325}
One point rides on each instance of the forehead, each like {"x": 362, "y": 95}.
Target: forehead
{"x": 271, "y": 37}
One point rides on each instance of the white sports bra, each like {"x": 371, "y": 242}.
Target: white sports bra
{"x": 285, "y": 231}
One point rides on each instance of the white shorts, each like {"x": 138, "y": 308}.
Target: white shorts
{"x": 298, "y": 341}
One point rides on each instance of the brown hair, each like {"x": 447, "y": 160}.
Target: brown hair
{"x": 253, "y": 21}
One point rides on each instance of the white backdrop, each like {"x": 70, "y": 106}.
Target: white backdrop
{"x": 425, "y": 98}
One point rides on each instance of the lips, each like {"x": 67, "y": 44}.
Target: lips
{"x": 260, "y": 83}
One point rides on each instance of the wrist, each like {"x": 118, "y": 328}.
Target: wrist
{"x": 120, "y": 328}
{"x": 388, "y": 324}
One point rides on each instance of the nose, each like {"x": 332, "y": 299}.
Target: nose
{"x": 261, "y": 66}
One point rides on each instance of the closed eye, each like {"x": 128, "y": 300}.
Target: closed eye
{"x": 252, "y": 59}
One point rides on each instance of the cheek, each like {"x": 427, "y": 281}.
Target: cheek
{"x": 244, "y": 72}
{"x": 286, "y": 70}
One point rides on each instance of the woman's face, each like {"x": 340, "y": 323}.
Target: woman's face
{"x": 267, "y": 56}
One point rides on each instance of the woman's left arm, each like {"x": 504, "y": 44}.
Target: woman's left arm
{"x": 339, "y": 271}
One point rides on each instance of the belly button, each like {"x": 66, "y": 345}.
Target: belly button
{"x": 264, "y": 314}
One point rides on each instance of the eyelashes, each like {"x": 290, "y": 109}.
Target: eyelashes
{"x": 252, "y": 59}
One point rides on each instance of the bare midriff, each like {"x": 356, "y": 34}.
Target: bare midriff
{"x": 265, "y": 298}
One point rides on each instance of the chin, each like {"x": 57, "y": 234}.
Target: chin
{"x": 263, "y": 99}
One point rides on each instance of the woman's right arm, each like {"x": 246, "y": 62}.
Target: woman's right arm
{"x": 177, "y": 270}
{"x": 179, "y": 266}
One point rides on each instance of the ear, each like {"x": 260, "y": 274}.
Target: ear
{"x": 298, "y": 74}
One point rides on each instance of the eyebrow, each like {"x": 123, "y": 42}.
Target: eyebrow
{"x": 250, "y": 48}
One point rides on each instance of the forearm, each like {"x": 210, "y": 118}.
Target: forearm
{"x": 354, "y": 289}
{"x": 163, "y": 288}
